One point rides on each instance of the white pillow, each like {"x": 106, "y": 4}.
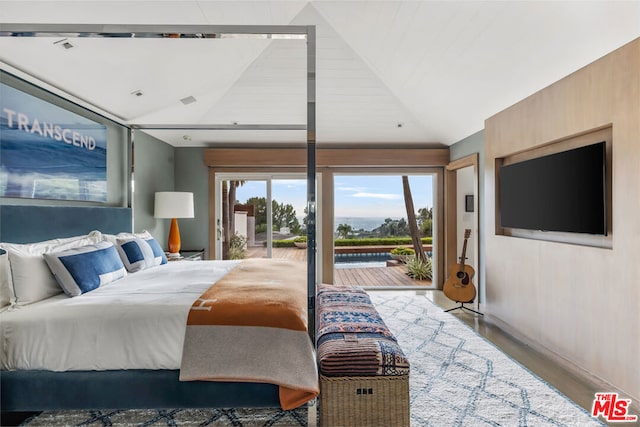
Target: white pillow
{"x": 81, "y": 270}
{"x": 5, "y": 280}
{"x": 136, "y": 254}
{"x": 31, "y": 279}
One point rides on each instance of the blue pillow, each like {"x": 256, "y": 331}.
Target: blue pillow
{"x": 136, "y": 254}
{"x": 86, "y": 268}
{"x": 160, "y": 257}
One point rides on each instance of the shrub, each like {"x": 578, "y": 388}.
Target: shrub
{"x": 300, "y": 239}
{"x": 401, "y": 251}
{"x": 237, "y": 247}
{"x": 418, "y": 269}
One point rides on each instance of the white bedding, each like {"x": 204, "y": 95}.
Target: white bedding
{"x": 137, "y": 322}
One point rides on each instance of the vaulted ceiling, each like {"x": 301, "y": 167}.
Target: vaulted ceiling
{"x": 394, "y": 72}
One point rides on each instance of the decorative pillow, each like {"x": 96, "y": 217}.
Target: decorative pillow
{"x": 136, "y": 254}
{"x": 30, "y": 277}
{"x": 84, "y": 269}
{"x": 158, "y": 253}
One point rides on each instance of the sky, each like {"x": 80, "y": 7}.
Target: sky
{"x": 355, "y": 195}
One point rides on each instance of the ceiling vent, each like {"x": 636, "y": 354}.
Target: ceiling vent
{"x": 64, "y": 43}
{"x": 188, "y": 100}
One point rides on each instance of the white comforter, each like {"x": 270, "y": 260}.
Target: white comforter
{"x": 133, "y": 323}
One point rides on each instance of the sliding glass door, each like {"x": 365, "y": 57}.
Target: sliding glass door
{"x": 260, "y": 215}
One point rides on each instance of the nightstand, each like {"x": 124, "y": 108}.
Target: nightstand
{"x": 189, "y": 255}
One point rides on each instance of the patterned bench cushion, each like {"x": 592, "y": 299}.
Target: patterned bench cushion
{"x": 353, "y": 340}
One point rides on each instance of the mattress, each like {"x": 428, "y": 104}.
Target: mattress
{"x": 137, "y": 322}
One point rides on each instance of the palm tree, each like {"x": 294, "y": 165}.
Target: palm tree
{"x": 228, "y": 217}
{"x": 411, "y": 219}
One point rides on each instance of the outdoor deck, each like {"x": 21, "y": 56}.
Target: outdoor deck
{"x": 365, "y": 277}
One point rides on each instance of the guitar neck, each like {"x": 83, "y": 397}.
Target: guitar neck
{"x": 464, "y": 249}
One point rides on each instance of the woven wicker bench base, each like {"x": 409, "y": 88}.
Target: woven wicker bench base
{"x": 364, "y": 401}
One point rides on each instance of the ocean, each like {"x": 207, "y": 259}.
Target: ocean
{"x": 357, "y": 223}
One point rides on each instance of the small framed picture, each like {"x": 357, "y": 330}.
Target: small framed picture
{"x": 468, "y": 203}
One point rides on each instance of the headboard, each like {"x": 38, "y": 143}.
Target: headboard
{"x": 31, "y": 223}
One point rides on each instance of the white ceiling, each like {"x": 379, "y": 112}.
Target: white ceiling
{"x": 400, "y": 72}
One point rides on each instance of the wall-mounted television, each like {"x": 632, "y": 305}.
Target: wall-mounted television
{"x": 564, "y": 191}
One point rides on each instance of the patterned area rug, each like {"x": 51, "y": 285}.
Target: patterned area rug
{"x": 457, "y": 379}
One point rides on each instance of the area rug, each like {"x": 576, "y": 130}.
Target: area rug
{"x": 457, "y": 378}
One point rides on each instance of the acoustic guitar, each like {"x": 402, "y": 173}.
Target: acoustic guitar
{"x": 459, "y": 286}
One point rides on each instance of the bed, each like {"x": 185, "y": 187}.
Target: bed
{"x": 132, "y": 335}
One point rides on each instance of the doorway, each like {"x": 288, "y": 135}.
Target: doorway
{"x": 372, "y": 223}
{"x": 462, "y": 193}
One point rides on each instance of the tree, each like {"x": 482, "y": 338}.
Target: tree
{"x": 260, "y": 210}
{"x": 425, "y": 221}
{"x": 392, "y": 227}
{"x": 411, "y": 219}
{"x": 228, "y": 214}
{"x": 344, "y": 230}
{"x": 283, "y": 215}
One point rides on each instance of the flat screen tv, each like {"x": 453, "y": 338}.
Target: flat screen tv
{"x": 565, "y": 192}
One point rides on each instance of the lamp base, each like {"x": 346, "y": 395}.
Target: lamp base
{"x": 174, "y": 237}
{"x": 174, "y": 255}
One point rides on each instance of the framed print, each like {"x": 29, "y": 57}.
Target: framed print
{"x": 47, "y": 152}
{"x": 468, "y": 203}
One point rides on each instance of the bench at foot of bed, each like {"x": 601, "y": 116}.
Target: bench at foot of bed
{"x": 364, "y": 375}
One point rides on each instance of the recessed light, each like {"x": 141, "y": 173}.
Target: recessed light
{"x": 188, "y": 100}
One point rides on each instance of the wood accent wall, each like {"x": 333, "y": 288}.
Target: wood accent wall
{"x": 578, "y": 302}
{"x": 328, "y": 162}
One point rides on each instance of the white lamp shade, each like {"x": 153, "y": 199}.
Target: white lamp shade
{"x": 173, "y": 204}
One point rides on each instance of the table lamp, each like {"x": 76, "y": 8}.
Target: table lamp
{"x": 174, "y": 205}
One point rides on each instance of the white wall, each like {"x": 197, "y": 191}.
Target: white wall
{"x": 465, "y": 180}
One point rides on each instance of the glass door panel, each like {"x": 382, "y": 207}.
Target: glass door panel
{"x": 372, "y": 217}
{"x": 263, "y": 213}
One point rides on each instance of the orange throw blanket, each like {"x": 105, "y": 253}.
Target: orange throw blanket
{"x": 251, "y": 326}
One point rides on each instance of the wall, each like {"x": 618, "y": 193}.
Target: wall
{"x": 191, "y": 174}
{"x": 162, "y": 167}
{"x": 153, "y": 171}
{"x": 464, "y": 183}
{"x": 578, "y": 302}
